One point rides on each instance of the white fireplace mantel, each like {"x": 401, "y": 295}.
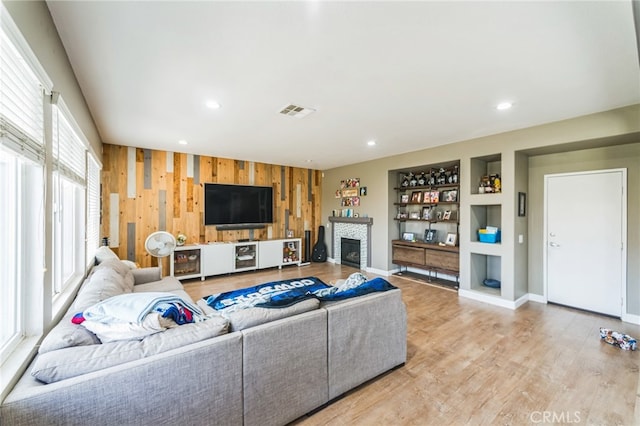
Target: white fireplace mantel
{"x": 357, "y": 228}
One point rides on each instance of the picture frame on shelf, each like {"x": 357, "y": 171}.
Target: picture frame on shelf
{"x": 414, "y": 215}
{"x": 432, "y": 197}
{"x": 451, "y": 240}
{"x": 408, "y": 236}
{"x": 416, "y": 196}
{"x": 402, "y": 215}
{"x": 426, "y": 213}
{"x": 446, "y": 215}
{"x": 450, "y": 196}
{"x": 430, "y": 236}
{"x": 404, "y": 198}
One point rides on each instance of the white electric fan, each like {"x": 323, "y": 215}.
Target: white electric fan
{"x": 160, "y": 244}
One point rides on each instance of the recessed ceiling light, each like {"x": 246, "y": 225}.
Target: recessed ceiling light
{"x": 371, "y": 143}
{"x": 182, "y": 142}
{"x": 504, "y": 105}
{"x": 212, "y": 104}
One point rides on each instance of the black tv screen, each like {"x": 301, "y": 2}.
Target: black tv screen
{"x": 237, "y": 204}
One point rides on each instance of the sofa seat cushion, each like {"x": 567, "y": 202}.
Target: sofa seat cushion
{"x": 251, "y": 317}
{"x": 166, "y": 284}
{"x": 65, "y": 363}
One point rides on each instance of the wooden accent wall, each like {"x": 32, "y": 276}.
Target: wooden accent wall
{"x": 168, "y": 189}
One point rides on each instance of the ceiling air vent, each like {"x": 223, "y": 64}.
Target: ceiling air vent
{"x": 296, "y": 111}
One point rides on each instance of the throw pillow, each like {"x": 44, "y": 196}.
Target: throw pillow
{"x": 66, "y": 334}
{"x": 104, "y": 253}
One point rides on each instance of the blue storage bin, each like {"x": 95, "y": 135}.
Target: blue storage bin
{"x": 489, "y": 238}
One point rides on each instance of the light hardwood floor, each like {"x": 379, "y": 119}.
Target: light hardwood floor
{"x": 473, "y": 363}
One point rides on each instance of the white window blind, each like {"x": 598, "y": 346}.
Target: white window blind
{"x": 21, "y": 109}
{"x": 69, "y": 152}
{"x": 93, "y": 207}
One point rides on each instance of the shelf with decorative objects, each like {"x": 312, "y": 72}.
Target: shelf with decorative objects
{"x": 427, "y": 214}
{"x": 185, "y": 261}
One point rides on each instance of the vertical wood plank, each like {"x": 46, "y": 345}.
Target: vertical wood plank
{"x": 131, "y": 242}
{"x": 131, "y": 172}
{"x": 196, "y": 169}
{"x": 114, "y": 220}
{"x": 162, "y": 210}
{"x": 147, "y": 169}
{"x": 177, "y": 170}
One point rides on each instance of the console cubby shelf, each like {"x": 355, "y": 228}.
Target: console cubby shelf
{"x": 186, "y": 261}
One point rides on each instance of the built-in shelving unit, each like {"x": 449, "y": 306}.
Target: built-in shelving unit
{"x": 428, "y": 216}
{"x": 485, "y": 210}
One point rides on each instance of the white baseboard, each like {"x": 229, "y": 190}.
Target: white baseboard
{"x": 379, "y": 272}
{"x": 632, "y": 319}
{"x": 486, "y": 298}
{"x": 537, "y": 298}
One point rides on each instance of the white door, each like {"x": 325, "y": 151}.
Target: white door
{"x": 585, "y": 226}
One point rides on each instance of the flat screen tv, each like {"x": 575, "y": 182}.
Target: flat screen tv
{"x": 237, "y": 204}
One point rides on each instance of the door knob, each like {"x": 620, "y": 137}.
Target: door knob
{"x": 554, "y": 244}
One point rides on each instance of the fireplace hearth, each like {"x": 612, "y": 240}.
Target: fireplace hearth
{"x": 350, "y": 252}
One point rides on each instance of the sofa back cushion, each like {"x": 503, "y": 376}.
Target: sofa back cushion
{"x": 251, "y": 317}
{"x": 65, "y": 363}
{"x": 109, "y": 278}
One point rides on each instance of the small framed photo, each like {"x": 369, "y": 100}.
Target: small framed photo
{"x": 404, "y": 198}
{"x": 416, "y": 196}
{"x": 446, "y": 215}
{"x": 414, "y": 215}
{"x": 408, "y": 236}
{"x": 289, "y": 233}
{"x": 430, "y": 236}
{"x": 452, "y": 239}
{"x": 426, "y": 213}
{"x": 349, "y": 192}
{"x": 450, "y": 196}
{"x": 363, "y": 191}
{"x": 522, "y": 204}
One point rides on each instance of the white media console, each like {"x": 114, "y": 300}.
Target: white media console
{"x": 204, "y": 260}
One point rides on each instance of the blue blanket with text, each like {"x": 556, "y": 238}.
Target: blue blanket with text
{"x": 284, "y": 293}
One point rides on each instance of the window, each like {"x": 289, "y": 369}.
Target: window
{"x": 93, "y": 207}
{"x": 21, "y": 194}
{"x": 69, "y": 155}
{"x": 50, "y": 206}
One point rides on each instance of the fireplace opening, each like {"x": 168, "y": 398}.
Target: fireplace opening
{"x": 350, "y": 252}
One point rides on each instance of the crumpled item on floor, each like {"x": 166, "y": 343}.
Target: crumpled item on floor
{"x": 621, "y": 340}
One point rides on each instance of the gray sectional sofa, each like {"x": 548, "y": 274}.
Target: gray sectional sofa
{"x": 265, "y": 370}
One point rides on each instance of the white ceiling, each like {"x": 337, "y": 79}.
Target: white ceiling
{"x": 409, "y": 75}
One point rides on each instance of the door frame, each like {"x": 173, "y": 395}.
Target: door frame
{"x": 545, "y": 239}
